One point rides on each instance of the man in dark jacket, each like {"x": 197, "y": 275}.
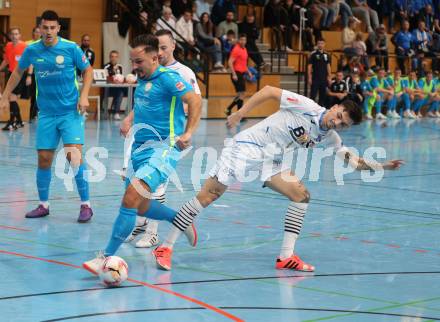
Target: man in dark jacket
{"x": 249, "y": 28}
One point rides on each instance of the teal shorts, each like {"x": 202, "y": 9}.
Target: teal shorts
{"x": 153, "y": 165}
{"x": 51, "y": 128}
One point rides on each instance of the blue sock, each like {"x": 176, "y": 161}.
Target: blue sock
{"x": 159, "y": 211}
{"x": 433, "y": 107}
{"x": 122, "y": 228}
{"x": 43, "y": 182}
{"x": 81, "y": 183}
{"x": 392, "y": 104}
{"x": 406, "y": 102}
{"x": 378, "y": 106}
{"x": 365, "y": 104}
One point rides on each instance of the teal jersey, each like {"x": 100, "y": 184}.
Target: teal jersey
{"x": 158, "y": 107}
{"x": 55, "y": 74}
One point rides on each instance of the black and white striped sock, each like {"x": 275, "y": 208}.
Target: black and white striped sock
{"x": 183, "y": 219}
{"x": 187, "y": 213}
{"x": 292, "y": 227}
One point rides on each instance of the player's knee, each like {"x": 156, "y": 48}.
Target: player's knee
{"x": 44, "y": 161}
{"x": 131, "y": 198}
{"x": 302, "y": 195}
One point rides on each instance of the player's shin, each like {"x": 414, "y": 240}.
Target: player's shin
{"x": 43, "y": 182}
{"x": 292, "y": 226}
{"x": 182, "y": 221}
{"x": 82, "y": 184}
{"x": 122, "y": 227}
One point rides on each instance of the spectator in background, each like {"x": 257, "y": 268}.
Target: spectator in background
{"x": 427, "y": 16}
{"x": 238, "y": 64}
{"x": 337, "y": 90}
{"x": 422, "y": 42}
{"x": 328, "y": 13}
{"x": 399, "y": 13}
{"x": 353, "y": 66}
{"x": 85, "y": 46}
{"x": 207, "y": 42}
{"x": 403, "y": 40}
{"x": 377, "y": 46}
{"x": 113, "y": 68}
{"x": 167, "y": 4}
{"x": 382, "y": 7}
{"x": 361, "y": 50}
{"x": 249, "y": 28}
{"x": 343, "y": 9}
{"x": 367, "y": 15}
{"x": 275, "y": 17}
{"x": 308, "y": 31}
{"x": 167, "y": 15}
{"x": 180, "y": 6}
{"x": 318, "y": 72}
{"x": 289, "y": 10}
{"x": 185, "y": 29}
{"x": 202, "y": 7}
{"x": 385, "y": 94}
{"x": 229, "y": 42}
{"x": 354, "y": 88}
{"x": 348, "y": 37}
{"x": 369, "y": 96}
{"x": 226, "y": 25}
{"x": 220, "y": 9}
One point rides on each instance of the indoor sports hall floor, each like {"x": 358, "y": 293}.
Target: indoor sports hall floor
{"x": 376, "y": 246}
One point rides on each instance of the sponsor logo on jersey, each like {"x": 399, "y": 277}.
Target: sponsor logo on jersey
{"x": 148, "y": 86}
{"x": 293, "y": 100}
{"x": 59, "y": 59}
{"x": 300, "y": 136}
{"x": 180, "y": 86}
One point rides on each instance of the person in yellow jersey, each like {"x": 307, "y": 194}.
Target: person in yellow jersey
{"x": 427, "y": 85}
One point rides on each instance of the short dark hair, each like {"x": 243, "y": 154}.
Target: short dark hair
{"x": 50, "y": 15}
{"x": 230, "y": 32}
{"x": 320, "y": 39}
{"x": 242, "y": 35}
{"x": 164, "y": 32}
{"x": 148, "y": 41}
{"x": 354, "y": 110}
{"x": 114, "y": 52}
{"x": 84, "y": 36}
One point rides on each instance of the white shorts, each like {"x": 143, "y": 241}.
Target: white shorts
{"x": 246, "y": 162}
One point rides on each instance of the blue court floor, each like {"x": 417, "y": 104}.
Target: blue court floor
{"x": 376, "y": 246}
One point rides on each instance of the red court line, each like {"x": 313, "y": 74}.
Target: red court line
{"x": 164, "y": 290}
{"x": 14, "y": 228}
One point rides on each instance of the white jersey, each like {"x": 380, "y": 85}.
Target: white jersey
{"x": 187, "y": 74}
{"x": 295, "y": 125}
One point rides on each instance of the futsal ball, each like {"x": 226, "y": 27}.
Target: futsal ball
{"x": 130, "y": 79}
{"x": 114, "y": 271}
{"x": 118, "y": 79}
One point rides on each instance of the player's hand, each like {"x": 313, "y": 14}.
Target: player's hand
{"x": 125, "y": 126}
{"x": 393, "y": 164}
{"x": 83, "y": 104}
{"x": 233, "y": 120}
{"x": 184, "y": 141}
{"x": 234, "y": 77}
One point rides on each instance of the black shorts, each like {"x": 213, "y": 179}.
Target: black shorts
{"x": 240, "y": 83}
{"x": 21, "y": 89}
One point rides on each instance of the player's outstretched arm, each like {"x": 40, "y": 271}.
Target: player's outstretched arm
{"x": 361, "y": 164}
{"x": 12, "y": 83}
{"x": 263, "y": 95}
{"x": 194, "y": 102}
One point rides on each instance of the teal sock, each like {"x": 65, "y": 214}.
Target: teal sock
{"x": 43, "y": 182}
{"x": 81, "y": 183}
{"x": 122, "y": 228}
{"x": 159, "y": 211}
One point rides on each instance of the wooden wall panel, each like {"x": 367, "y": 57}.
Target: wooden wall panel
{"x": 86, "y": 16}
